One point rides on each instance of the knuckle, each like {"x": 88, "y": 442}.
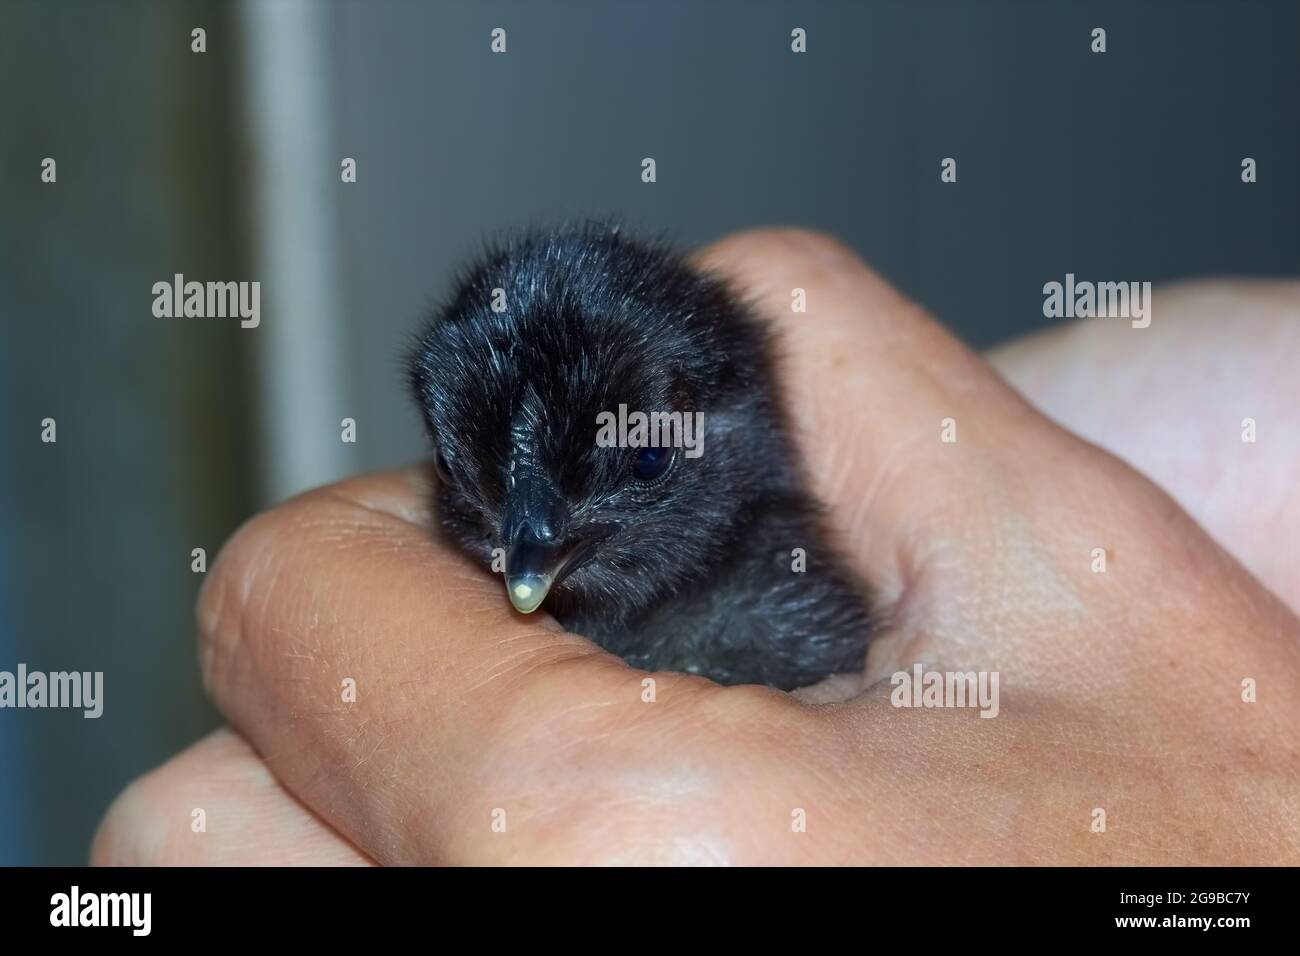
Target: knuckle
{"x": 244, "y": 580}
{"x": 225, "y": 596}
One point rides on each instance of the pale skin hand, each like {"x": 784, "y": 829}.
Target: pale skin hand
{"x": 1119, "y": 691}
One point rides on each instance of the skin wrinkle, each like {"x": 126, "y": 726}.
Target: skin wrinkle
{"x": 511, "y": 671}
{"x": 368, "y": 790}
{"x": 295, "y": 712}
{"x": 883, "y": 474}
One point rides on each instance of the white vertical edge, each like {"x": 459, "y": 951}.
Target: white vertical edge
{"x": 300, "y": 342}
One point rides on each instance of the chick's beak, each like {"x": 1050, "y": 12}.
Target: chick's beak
{"x": 539, "y": 549}
{"x": 533, "y": 564}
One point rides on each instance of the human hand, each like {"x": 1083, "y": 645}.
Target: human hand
{"x": 1120, "y": 690}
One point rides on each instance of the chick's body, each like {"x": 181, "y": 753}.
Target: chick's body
{"x": 709, "y": 559}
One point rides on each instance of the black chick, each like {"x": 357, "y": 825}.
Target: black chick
{"x": 671, "y": 561}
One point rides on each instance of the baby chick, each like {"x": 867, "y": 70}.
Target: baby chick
{"x": 708, "y": 559}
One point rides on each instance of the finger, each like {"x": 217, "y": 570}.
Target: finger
{"x": 216, "y": 804}
{"x": 1202, "y": 401}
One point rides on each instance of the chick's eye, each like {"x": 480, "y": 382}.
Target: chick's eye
{"x": 651, "y": 464}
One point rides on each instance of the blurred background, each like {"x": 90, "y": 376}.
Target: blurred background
{"x": 225, "y": 165}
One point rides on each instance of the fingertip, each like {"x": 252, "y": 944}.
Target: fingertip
{"x": 214, "y": 804}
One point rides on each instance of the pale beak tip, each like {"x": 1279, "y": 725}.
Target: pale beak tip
{"x": 527, "y": 592}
